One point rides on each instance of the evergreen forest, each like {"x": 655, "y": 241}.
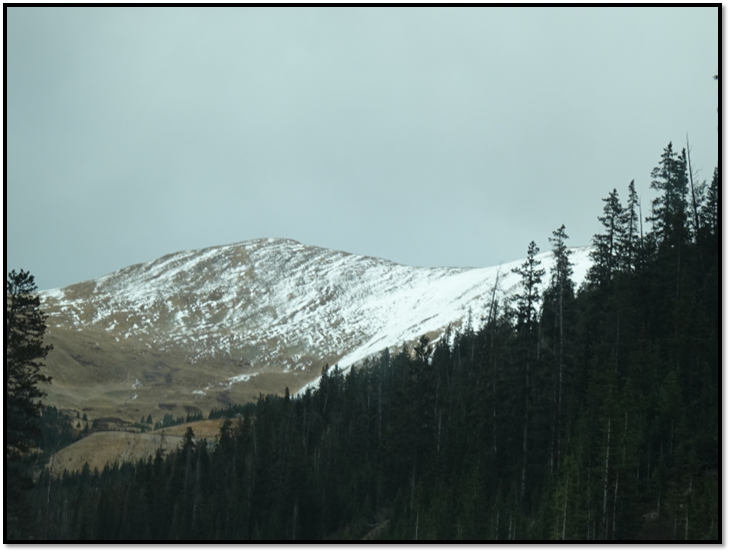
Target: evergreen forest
{"x": 580, "y": 413}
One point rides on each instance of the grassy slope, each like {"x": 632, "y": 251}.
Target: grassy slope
{"x": 101, "y": 448}
{"x": 94, "y": 374}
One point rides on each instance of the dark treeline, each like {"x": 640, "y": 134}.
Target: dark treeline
{"x": 169, "y": 420}
{"x": 574, "y": 414}
{"x": 57, "y": 430}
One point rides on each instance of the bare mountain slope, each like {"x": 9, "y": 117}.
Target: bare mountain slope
{"x": 102, "y": 448}
{"x": 202, "y": 328}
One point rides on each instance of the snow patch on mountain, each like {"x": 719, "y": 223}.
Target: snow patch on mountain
{"x": 278, "y": 304}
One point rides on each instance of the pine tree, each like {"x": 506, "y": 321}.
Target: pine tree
{"x": 559, "y": 293}
{"x": 25, "y": 326}
{"x": 607, "y": 246}
{"x": 531, "y": 276}
{"x": 629, "y": 242}
{"x": 527, "y": 302}
{"x": 668, "y": 217}
{"x": 709, "y": 210}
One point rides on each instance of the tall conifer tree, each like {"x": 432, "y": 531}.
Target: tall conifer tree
{"x": 607, "y": 245}
{"x": 531, "y": 275}
{"x": 25, "y": 326}
{"x": 630, "y": 236}
{"x": 559, "y": 293}
{"x": 527, "y": 301}
{"x": 670, "y": 179}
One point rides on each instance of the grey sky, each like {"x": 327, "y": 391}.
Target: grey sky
{"x": 425, "y": 136}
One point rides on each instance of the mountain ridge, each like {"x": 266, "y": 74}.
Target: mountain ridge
{"x": 200, "y": 328}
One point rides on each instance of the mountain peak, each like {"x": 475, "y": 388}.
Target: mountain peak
{"x": 221, "y": 324}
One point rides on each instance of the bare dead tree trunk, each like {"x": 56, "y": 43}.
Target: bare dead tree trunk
{"x": 48, "y": 495}
{"x": 693, "y": 197}
{"x": 614, "y": 507}
{"x": 492, "y": 313}
{"x": 510, "y": 527}
{"x": 525, "y": 435}
{"x": 606, "y": 477}
{"x": 560, "y": 370}
{"x": 588, "y": 504}
{"x": 565, "y": 506}
{"x": 197, "y": 489}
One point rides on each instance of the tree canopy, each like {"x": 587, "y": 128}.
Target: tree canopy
{"x": 24, "y": 354}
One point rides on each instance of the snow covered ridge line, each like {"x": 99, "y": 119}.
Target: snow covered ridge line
{"x": 280, "y": 305}
{"x": 469, "y": 293}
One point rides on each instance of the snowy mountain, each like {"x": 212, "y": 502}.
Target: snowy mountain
{"x": 203, "y": 327}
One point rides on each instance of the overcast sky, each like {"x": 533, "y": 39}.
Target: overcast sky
{"x": 427, "y": 136}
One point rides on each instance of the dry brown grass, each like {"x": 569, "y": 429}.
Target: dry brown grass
{"x": 102, "y": 448}
{"x": 208, "y": 429}
{"x": 94, "y": 374}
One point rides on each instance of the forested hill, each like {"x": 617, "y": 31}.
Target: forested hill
{"x": 587, "y": 414}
